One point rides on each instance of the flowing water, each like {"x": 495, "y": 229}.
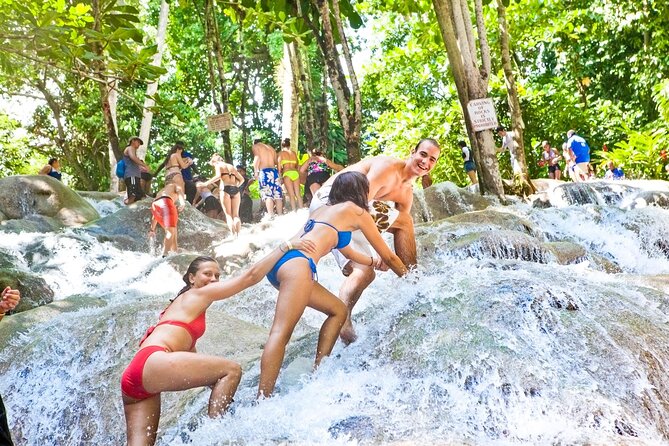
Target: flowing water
{"x": 494, "y": 344}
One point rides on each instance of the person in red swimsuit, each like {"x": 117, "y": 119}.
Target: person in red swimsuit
{"x": 165, "y": 211}
{"x": 167, "y": 359}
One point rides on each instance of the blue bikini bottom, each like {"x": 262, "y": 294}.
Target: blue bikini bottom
{"x": 293, "y": 253}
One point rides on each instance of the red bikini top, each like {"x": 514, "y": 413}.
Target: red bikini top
{"x": 195, "y": 328}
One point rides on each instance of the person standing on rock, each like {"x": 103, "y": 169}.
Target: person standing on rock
{"x": 167, "y": 360}
{"x": 165, "y": 212}
{"x": 468, "y": 159}
{"x": 391, "y": 196}
{"x": 133, "y": 171}
{"x": 578, "y": 145}
{"x": 9, "y": 299}
{"x": 267, "y": 174}
{"x": 295, "y": 276}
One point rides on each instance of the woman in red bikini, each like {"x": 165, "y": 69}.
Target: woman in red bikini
{"x": 167, "y": 359}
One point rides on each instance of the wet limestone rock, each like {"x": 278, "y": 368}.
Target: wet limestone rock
{"x": 495, "y": 220}
{"x": 34, "y": 290}
{"x": 128, "y": 229}
{"x": 445, "y": 200}
{"x": 43, "y": 202}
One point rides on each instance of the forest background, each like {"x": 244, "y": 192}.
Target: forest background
{"x": 354, "y": 78}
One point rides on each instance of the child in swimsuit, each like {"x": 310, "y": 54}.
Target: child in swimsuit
{"x": 295, "y": 273}
{"x": 164, "y": 212}
{"x": 291, "y": 177}
{"x": 167, "y": 360}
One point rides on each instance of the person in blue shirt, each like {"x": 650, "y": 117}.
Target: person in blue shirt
{"x": 187, "y": 175}
{"x": 581, "y": 150}
{"x": 613, "y": 172}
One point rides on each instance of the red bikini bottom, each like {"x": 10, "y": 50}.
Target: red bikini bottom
{"x": 131, "y": 381}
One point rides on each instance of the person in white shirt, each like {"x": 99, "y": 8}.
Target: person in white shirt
{"x": 509, "y": 144}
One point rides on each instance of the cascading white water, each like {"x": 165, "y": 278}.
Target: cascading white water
{"x": 464, "y": 351}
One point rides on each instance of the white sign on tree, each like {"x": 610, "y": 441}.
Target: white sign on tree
{"x": 482, "y": 114}
{"x": 218, "y": 123}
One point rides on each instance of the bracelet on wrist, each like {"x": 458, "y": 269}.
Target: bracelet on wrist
{"x": 372, "y": 259}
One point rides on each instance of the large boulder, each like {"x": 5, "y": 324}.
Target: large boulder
{"x": 46, "y": 203}
{"x": 34, "y": 290}
{"x": 445, "y": 200}
{"x": 128, "y": 229}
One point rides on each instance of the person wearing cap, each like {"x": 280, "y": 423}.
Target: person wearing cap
{"x": 581, "y": 150}
{"x": 509, "y": 144}
{"x": 133, "y": 171}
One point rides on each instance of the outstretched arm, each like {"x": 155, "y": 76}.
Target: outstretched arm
{"x": 371, "y": 233}
{"x": 254, "y": 274}
{"x": 215, "y": 178}
{"x": 334, "y": 166}
{"x": 305, "y": 165}
{"x": 362, "y": 258}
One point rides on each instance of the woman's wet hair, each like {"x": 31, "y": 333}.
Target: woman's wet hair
{"x": 350, "y": 186}
{"x": 285, "y": 142}
{"x": 193, "y": 268}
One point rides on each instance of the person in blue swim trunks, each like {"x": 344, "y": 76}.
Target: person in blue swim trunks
{"x": 294, "y": 274}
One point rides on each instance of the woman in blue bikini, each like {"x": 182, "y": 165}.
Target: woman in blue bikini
{"x": 293, "y": 275}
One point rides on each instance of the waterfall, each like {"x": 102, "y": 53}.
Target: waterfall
{"x": 494, "y": 339}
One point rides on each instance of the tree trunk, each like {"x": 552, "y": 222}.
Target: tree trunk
{"x": 216, "y": 49}
{"x": 152, "y": 87}
{"x": 307, "y": 98}
{"x": 355, "y": 124}
{"x": 321, "y": 107}
{"x": 290, "y": 91}
{"x": 245, "y": 156}
{"x": 470, "y": 81}
{"x": 108, "y": 108}
{"x": 295, "y": 99}
{"x": 349, "y": 111}
{"x": 514, "y": 103}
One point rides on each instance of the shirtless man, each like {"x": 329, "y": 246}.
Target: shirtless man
{"x": 390, "y": 179}
{"x": 165, "y": 211}
{"x": 265, "y": 171}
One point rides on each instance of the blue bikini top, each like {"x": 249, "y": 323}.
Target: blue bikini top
{"x": 344, "y": 237}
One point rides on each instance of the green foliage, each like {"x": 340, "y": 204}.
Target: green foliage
{"x": 639, "y": 155}
{"x": 14, "y": 148}
{"x": 407, "y": 95}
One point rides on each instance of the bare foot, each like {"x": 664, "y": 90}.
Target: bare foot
{"x": 347, "y": 333}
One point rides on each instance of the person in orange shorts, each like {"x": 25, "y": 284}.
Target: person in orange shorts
{"x": 165, "y": 210}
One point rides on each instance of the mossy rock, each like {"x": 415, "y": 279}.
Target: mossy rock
{"x": 41, "y": 195}
{"x": 34, "y": 290}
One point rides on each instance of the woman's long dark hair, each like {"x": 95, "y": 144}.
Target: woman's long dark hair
{"x": 193, "y": 268}
{"x": 177, "y": 145}
{"x": 350, "y": 186}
